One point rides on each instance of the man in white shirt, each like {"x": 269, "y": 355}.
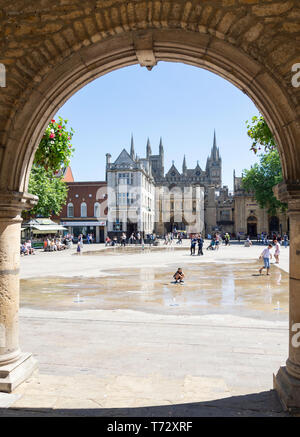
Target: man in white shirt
{"x": 266, "y": 255}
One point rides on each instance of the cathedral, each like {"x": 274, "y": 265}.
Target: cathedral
{"x": 143, "y": 198}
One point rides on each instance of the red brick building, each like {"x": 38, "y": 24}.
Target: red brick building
{"x": 85, "y": 211}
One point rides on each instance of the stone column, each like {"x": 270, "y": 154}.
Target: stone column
{"x": 15, "y": 366}
{"x": 97, "y": 234}
{"x": 287, "y": 380}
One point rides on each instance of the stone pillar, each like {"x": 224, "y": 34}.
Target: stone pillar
{"x": 97, "y": 234}
{"x": 15, "y": 366}
{"x": 287, "y": 380}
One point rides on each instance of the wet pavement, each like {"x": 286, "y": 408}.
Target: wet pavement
{"x": 225, "y": 287}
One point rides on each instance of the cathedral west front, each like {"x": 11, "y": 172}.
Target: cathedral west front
{"x": 143, "y": 197}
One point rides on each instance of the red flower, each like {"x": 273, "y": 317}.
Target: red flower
{"x": 52, "y": 135}
{"x": 52, "y": 121}
{"x": 59, "y": 127}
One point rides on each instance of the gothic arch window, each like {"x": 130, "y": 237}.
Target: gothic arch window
{"x": 70, "y": 210}
{"x": 97, "y": 209}
{"x": 83, "y": 209}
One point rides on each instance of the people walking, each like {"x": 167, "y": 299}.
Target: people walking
{"x": 193, "y": 245}
{"x": 132, "y": 238}
{"x": 200, "y": 245}
{"x": 123, "y": 239}
{"x": 266, "y": 255}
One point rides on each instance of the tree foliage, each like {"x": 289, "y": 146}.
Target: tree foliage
{"x": 50, "y": 189}
{"x": 261, "y": 135}
{"x": 260, "y": 180}
{"x": 52, "y": 156}
{"x": 262, "y": 177}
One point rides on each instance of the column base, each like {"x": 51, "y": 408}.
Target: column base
{"x": 17, "y": 372}
{"x": 288, "y": 390}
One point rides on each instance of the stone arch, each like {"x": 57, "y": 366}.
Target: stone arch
{"x": 195, "y": 49}
{"x": 274, "y": 224}
{"x": 79, "y": 44}
{"x": 252, "y": 226}
{"x": 50, "y": 52}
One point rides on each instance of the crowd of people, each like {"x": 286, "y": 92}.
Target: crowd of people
{"x": 26, "y": 248}
{"x": 134, "y": 238}
{"x": 57, "y": 244}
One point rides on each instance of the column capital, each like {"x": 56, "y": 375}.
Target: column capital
{"x": 12, "y": 203}
{"x": 289, "y": 192}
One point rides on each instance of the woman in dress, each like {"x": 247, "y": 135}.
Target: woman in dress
{"x": 277, "y": 251}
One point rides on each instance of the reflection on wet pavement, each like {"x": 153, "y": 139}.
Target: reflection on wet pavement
{"x": 133, "y": 250}
{"x": 208, "y": 288}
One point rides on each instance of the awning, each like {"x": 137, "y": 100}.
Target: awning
{"x": 47, "y": 229}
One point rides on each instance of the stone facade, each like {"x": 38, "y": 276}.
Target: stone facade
{"x": 164, "y": 202}
{"x": 130, "y": 190}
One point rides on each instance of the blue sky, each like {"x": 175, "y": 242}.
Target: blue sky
{"x": 181, "y": 103}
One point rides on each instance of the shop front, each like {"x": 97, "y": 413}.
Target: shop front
{"x": 95, "y": 228}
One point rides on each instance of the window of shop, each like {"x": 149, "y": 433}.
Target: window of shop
{"x": 70, "y": 210}
{"x": 97, "y": 209}
{"x": 83, "y": 209}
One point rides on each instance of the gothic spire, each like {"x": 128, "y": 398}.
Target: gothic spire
{"x": 148, "y": 149}
{"x": 161, "y": 147}
{"x": 132, "y": 153}
{"x": 184, "y": 167}
{"x": 214, "y": 153}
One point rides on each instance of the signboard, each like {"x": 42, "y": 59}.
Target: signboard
{"x": 97, "y": 223}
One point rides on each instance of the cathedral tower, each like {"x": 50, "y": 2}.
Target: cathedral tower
{"x": 214, "y": 166}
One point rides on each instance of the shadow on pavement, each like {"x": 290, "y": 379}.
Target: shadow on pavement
{"x": 264, "y": 404}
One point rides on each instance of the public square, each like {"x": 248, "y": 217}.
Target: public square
{"x": 126, "y": 124}
{"x": 114, "y": 336}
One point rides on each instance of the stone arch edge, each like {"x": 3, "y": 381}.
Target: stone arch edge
{"x": 201, "y": 50}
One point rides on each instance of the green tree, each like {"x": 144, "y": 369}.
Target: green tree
{"x": 261, "y": 135}
{"x": 50, "y": 189}
{"x": 52, "y": 156}
{"x": 260, "y": 180}
{"x": 262, "y": 177}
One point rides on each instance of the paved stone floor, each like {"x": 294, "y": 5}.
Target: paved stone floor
{"x": 146, "y": 347}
